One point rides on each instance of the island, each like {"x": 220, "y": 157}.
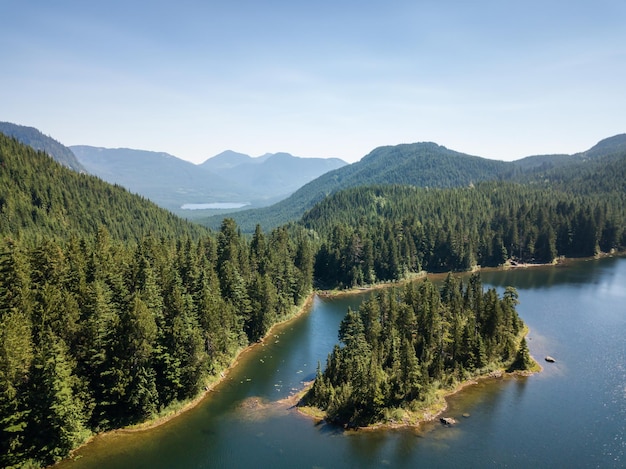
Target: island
{"x": 406, "y": 349}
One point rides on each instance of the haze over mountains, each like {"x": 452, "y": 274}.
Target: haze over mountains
{"x": 113, "y": 309}
{"x": 279, "y": 173}
{"x": 229, "y": 177}
{"x": 279, "y": 187}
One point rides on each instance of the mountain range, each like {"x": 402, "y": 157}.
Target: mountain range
{"x": 40, "y": 197}
{"x": 230, "y": 177}
{"x": 279, "y": 173}
{"x": 427, "y": 164}
{"x": 260, "y": 182}
{"x": 112, "y": 308}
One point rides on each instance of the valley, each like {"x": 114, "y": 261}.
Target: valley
{"x": 115, "y": 311}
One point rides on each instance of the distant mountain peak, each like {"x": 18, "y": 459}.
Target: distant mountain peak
{"x": 227, "y": 177}
{"x": 226, "y": 159}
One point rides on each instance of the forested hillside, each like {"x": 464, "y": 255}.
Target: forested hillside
{"x": 434, "y": 166}
{"x": 383, "y": 233}
{"x": 405, "y": 346}
{"x": 39, "y": 197}
{"x": 417, "y": 164}
{"x": 38, "y": 141}
{"x": 599, "y": 169}
{"x": 112, "y": 310}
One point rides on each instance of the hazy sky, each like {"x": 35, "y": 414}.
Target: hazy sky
{"x": 498, "y": 79}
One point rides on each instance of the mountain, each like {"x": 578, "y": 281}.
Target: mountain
{"x": 35, "y": 139}
{"x": 165, "y": 179}
{"x": 609, "y": 148}
{"x": 601, "y": 168}
{"x": 38, "y": 196}
{"x": 612, "y": 147}
{"x": 431, "y": 165}
{"x": 228, "y": 159}
{"x": 544, "y": 162}
{"x": 229, "y": 177}
{"x": 273, "y": 174}
{"x": 418, "y": 164}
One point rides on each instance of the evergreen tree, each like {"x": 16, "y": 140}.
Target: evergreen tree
{"x": 16, "y": 356}
{"x": 56, "y": 422}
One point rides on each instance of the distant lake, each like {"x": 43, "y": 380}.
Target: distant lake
{"x": 214, "y": 206}
{"x": 572, "y": 415}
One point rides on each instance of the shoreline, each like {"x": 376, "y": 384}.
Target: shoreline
{"x": 153, "y": 423}
{"x": 150, "y": 424}
{"x": 560, "y": 261}
{"x": 414, "y": 419}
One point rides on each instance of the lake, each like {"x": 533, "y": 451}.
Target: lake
{"x": 573, "y": 414}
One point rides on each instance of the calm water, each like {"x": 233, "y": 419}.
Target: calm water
{"x": 573, "y": 414}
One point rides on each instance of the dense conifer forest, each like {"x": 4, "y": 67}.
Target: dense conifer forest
{"x": 39, "y": 197}
{"x": 113, "y": 310}
{"x": 384, "y": 233}
{"x": 434, "y": 166}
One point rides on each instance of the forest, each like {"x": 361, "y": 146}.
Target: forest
{"x": 599, "y": 169}
{"x": 402, "y": 346}
{"x": 385, "y": 233}
{"x": 113, "y": 311}
{"x": 97, "y": 334}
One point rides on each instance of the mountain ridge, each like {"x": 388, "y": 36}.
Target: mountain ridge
{"x": 423, "y": 164}
{"x": 35, "y": 139}
{"x": 40, "y": 195}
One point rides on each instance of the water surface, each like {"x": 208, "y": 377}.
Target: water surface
{"x": 572, "y": 414}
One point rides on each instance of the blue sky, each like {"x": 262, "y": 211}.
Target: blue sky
{"x": 497, "y": 79}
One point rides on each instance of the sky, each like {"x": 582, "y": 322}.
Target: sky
{"x": 497, "y": 79}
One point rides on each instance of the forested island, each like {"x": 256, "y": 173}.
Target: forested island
{"x": 114, "y": 311}
{"x": 403, "y": 347}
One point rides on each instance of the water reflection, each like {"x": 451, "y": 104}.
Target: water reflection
{"x": 572, "y": 272}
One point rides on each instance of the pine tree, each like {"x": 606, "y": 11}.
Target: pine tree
{"x": 56, "y": 423}
{"x": 16, "y": 356}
